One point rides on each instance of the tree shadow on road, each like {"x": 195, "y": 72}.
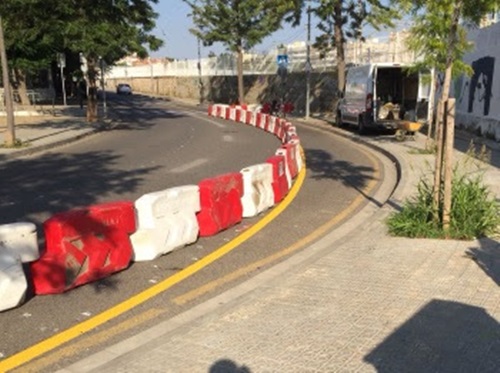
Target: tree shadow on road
{"x": 323, "y": 165}
{"x": 35, "y": 188}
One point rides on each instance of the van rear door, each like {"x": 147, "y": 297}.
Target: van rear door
{"x": 424, "y": 96}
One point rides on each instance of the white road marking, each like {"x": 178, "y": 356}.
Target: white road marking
{"x": 190, "y": 165}
{"x": 228, "y": 138}
{"x": 203, "y": 117}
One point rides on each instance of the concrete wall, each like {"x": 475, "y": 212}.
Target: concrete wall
{"x": 258, "y": 88}
{"x": 478, "y": 96}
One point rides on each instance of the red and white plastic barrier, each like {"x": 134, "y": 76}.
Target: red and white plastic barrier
{"x": 220, "y": 200}
{"x": 13, "y": 283}
{"x": 280, "y": 181}
{"x": 18, "y": 244}
{"x": 87, "y": 244}
{"x": 20, "y": 239}
{"x": 84, "y": 245}
{"x": 166, "y": 221}
{"x": 258, "y": 193}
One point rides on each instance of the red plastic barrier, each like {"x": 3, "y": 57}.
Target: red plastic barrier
{"x": 291, "y": 158}
{"x": 248, "y": 117}
{"x": 84, "y": 245}
{"x": 210, "y": 110}
{"x": 261, "y": 121}
{"x": 280, "y": 182}
{"x": 238, "y": 115}
{"x": 220, "y": 199}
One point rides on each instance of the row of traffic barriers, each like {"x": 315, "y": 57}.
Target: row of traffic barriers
{"x": 87, "y": 244}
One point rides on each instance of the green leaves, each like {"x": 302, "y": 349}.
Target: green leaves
{"x": 436, "y": 37}
{"x": 349, "y": 16}
{"x": 240, "y": 23}
{"x": 474, "y": 211}
{"x": 37, "y": 29}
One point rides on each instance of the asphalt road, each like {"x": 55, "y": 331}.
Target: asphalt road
{"x": 156, "y": 145}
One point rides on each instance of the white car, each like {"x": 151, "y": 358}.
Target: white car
{"x": 124, "y": 89}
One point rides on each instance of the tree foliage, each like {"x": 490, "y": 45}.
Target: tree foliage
{"x": 344, "y": 20}
{"x": 240, "y": 24}
{"x": 109, "y": 29}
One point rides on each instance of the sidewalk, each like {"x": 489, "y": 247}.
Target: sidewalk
{"x": 356, "y": 301}
{"x": 39, "y": 132}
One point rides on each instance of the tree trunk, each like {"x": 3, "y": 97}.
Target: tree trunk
{"x": 92, "y": 90}
{"x": 10, "y": 135}
{"x": 448, "y": 167}
{"x": 339, "y": 45}
{"x": 22, "y": 90}
{"x": 436, "y": 191}
{"x": 450, "y": 126}
{"x": 241, "y": 89}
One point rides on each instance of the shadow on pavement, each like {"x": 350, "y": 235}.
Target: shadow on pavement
{"x": 443, "y": 336}
{"x": 227, "y": 366}
{"x": 487, "y": 257}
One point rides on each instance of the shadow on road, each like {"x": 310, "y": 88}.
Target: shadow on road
{"x": 37, "y": 187}
{"x": 322, "y": 165}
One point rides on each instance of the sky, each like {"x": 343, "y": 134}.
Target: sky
{"x": 173, "y": 24}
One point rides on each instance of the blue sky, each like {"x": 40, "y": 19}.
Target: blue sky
{"x": 173, "y": 26}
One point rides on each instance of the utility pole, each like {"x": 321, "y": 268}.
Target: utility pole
{"x": 200, "y": 80}
{"x": 308, "y": 62}
{"x": 10, "y": 135}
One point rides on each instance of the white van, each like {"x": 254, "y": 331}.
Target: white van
{"x": 380, "y": 95}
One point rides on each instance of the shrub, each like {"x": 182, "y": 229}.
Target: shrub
{"x": 474, "y": 211}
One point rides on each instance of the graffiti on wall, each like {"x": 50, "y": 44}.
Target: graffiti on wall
{"x": 478, "y": 90}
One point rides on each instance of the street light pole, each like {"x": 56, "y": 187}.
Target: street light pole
{"x": 10, "y": 135}
{"x": 308, "y": 63}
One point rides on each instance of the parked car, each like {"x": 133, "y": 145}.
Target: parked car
{"x": 124, "y": 89}
{"x": 382, "y": 95}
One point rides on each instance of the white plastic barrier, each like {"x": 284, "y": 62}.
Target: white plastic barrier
{"x": 298, "y": 155}
{"x": 253, "y": 119}
{"x": 258, "y": 192}
{"x": 272, "y": 124}
{"x": 13, "y": 283}
{"x": 223, "y": 110}
{"x": 20, "y": 239}
{"x": 284, "y": 153}
{"x": 166, "y": 220}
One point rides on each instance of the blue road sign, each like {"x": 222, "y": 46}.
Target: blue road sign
{"x": 282, "y": 60}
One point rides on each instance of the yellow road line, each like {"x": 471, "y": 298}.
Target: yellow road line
{"x": 208, "y": 287}
{"x": 91, "y": 341}
{"x": 77, "y": 330}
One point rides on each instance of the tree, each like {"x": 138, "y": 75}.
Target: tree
{"x": 240, "y": 24}
{"x": 440, "y": 37}
{"x": 343, "y": 20}
{"x": 110, "y": 30}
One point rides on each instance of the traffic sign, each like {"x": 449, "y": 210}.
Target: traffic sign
{"x": 282, "y": 60}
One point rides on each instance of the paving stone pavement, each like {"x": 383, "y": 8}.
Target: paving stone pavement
{"x": 357, "y": 300}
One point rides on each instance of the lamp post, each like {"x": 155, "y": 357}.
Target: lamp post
{"x": 10, "y": 135}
